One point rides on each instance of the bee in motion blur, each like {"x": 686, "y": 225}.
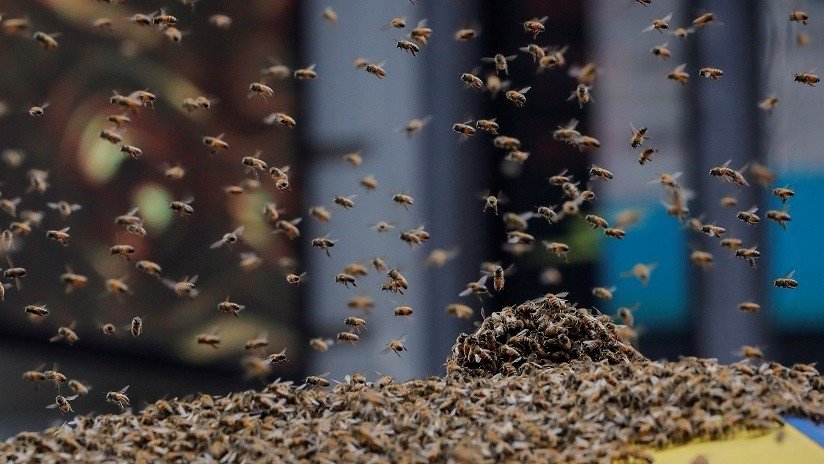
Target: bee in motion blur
{"x": 807, "y": 77}
{"x": 659, "y": 25}
{"x": 501, "y": 62}
{"x": 397, "y": 346}
{"x": 119, "y": 398}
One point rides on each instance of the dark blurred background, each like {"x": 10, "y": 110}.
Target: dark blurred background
{"x": 683, "y": 310}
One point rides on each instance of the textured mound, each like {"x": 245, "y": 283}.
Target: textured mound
{"x": 541, "y": 332}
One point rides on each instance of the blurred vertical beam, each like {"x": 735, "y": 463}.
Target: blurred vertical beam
{"x": 725, "y": 125}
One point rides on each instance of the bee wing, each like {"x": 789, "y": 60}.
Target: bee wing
{"x": 296, "y": 221}
{"x": 667, "y": 18}
{"x": 51, "y": 406}
{"x": 676, "y": 175}
{"x": 168, "y": 283}
{"x": 680, "y": 68}
{"x": 482, "y": 280}
{"x": 524, "y": 90}
{"x": 381, "y": 64}
{"x": 52, "y": 205}
{"x": 239, "y": 230}
{"x": 421, "y": 23}
{"x": 510, "y": 57}
{"x": 311, "y": 67}
{"x": 217, "y": 244}
{"x": 726, "y": 163}
{"x": 790, "y": 274}
{"x": 648, "y": 28}
{"x": 56, "y": 338}
{"x": 462, "y": 294}
{"x": 123, "y": 390}
{"x": 487, "y": 59}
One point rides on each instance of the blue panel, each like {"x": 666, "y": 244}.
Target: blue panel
{"x": 808, "y": 428}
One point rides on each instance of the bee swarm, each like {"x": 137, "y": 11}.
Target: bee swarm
{"x": 590, "y": 398}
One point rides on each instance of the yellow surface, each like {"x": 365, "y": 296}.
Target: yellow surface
{"x": 795, "y": 448}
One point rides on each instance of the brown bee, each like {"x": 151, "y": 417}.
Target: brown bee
{"x": 117, "y": 287}
{"x": 62, "y": 403}
{"x": 518, "y": 97}
{"x": 36, "y": 310}
{"x": 731, "y": 243}
{"x": 78, "y": 388}
{"x": 682, "y": 33}
{"x": 729, "y": 202}
{"x": 498, "y": 276}
{"x": 477, "y": 288}
{"x": 465, "y": 129}
{"x": 615, "y": 232}
{"x": 72, "y": 280}
{"x": 131, "y": 104}
{"x": 784, "y": 193}
{"x": 535, "y": 26}
{"x": 711, "y": 73}
{"x": 53, "y": 375}
{"x": 661, "y": 51}
{"x": 149, "y": 268}
{"x": 319, "y": 344}
{"x": 713, "y": 230}
{"x": 603, "y": 293}
{"x": 507, "y": 143}
{"x": 749, "y": 217}
{"x": 345, "y": 279}
{"x": 567, "y": 133}
{"x": 807, "y": 78}
{"x": 288, "y": 228}
{"x": 173, "y": 172}
{"x": 463, "y": 35}
{"x": 414, "y": 236}
{"x": 749, "y": 307}
{"x": 228, "y": 238}
{"x": 625, "y": 314}
{"x": 282, "y": 119}
{"x": 184, "y": 208}
{"x": 47, "y": 41}
{"x": 35, "y": 376}
{"x": 183, "y": 288}
{"x": 348, "y": 337}
{"x": 768, "y": 103}
{"x": 730, "y": 175}
{"x": 787, "y": 281}
{"x": 37, "y": 111}
{"x": 641, "y": 271}
{"x": 501, "y": 62}
{"x": 250, "y": 261}
{"x": 561, "y": 250}
{"x": 799, "y": 17}
{"x": 277, "y": 358}
{"x": 108, "y": 328}
{"x": 748, "y": 254}
{"x": 397, "y": 346}
{"x": 215, "y": 144}
{"x": 230, "y": 307}
{"x": 15, "y": 25}
{"x": 61, "y": 236}
{"x": 439, "y": 257}
{"x": 404, "y": 200}
{"x": 376, "y": 69}
{"x": 704, "y": 19}
{"x": 554, "y": 58}
{"x": 111, "y": 137}
{"x": 320, "y": 213}
{"x": 324, "y": 243}
{"x": 596, "y": 221}
{"x": 355, "y": 322}
{"x": 329, "y": 15}
{"x": 9, "y": 205}
{"x": 750, "y": 352}
{"x": 416, "y": 125}
{"x": 597, "y": 172}
{"x": 361, "y": 303}
{"x": 701, "y": 258}
{"x": 487, "y": 125}
{"x": 495, "y": 85}
{"x": 396, "y": 276}
{"x": 66, "y": 333}
{"x": 382, "y": 226}
{"x": 646, "y": 155}
{"x": 678, "y": 74}
{"x": 491, "y": 202}
{"x": 345, "y": 202}
{"x": 586, "y": 75}
{"x": 518, "y": 156}
{"x": 659, "y": 25}
{"x": 119, "y": 398}
{"x": 295, "y": 279}
{"x": 306, "y": 73}
{"x": 130, "y": 150}
{"x": 802, "y": 39}
{"x": 258, "y": 88}
{"x": 638, "y": 136}
{"x": 403, "y": 311}
{"x": 145, "y": 97}
{"x": 582, "y": 94}
{"x": 536, "y": 51}
{"x": 210, "y": 338}
{"x": 122, "y": 250}
{"x": 220, "y": 21}
{"x": 459, "y": 311}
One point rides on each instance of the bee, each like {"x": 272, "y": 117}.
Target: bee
{"x": 507, "y": 143}
{"x": 210, "y": 338}
{"x": 749, "y": 217}
{"x": 567, "y": 133}
{"x": 625, "y": 314}
{"x": 415, "y": 236}
{"x": 66, "y": 333}
{"x": 10, "y": 205}
{"x": 35, "y": 376}
{"x": 382, "y": 226}
{"x": 15, "y": 25}
{"x": 597, "y": 172}
{"x": 53, "y": 375}
{"x": 749, "y": 307}
{"x": 603, "y": 293}
{"x": 112, "y": 137}
{"x": 439, "y": 257}
{"x": 731, "y": 243}
{"x": 518, "y": 156}
{"x": 678, "y": 74}
{"x": 72, "y": 280}
{"x": 279, "y": 173}
{"x": 47, "y": 41}
{"x": 229, "y": 238}
{"x": 561, "y": 250}
{"x": 281, "y": 118}
{"x": 306, "y": 73}
{"x": 356, "y": 323}
{"x": 403, "y": 311}
{"x": 615, "y": 232}
{"x": 183, "y": 288}
{"x": 596, "y": 221}
{"x": 126, "y": 102}
{"x": 462, "y": 35}
{"x": 501, "y": 62}
{"x": 119, "y": 398}
{"x": 416, "y": 125}
{"x": 117, "y": 287}
{"x": 787, "y": 281}
{"x": 345, "y": 279}
{"x": 215, "y": 144}
{"x": 554, "y": 58}
{"x": 491, "y": 202}
{"x": 376, "y": 69}
{"x": 748, "y": 254}
{"x": 548, "y": 213}
{"x": 750, "y": 352}
{"x": 288, "y": 228}
{"x": 149, "y": 268}
{"x": 799, "y": 17}
{"x": 682, "y": 33}
{"x": 345, "y": 202}
{"x": 713, "y": 230}
{"x": 254, "y": 163}
{"x": 494, "y": 85}
{"x": 319, "y": 344}
{"x": 420, "y": 34}
{"x": 659, "y": 25}
{"x": 397, "y": 23}
{"x": 317, "y": 381}
{"x": 258, "y": 88}
{"x": 36, "y": 310}
{"x": 172, "y": 33}
{"x": 661, "y": 51}
{"x": 348, "y": 337}
{"x": 638, "y": 136}
{"x": 701, "y": 258}
{"x": 583, "y": 95}
{"x": 362, "y": 303}
{"x": 62, "y": 403}
{"x": 396, "y": 276}
{"x": 498, "y": 276}
{"x": 465, "y": 129}
{"x": 487, "y": 125}
{"x": 704, "y": 19}
{"x": 784, "y": 193}
{"x": 320, "y": 213}
{"x": 729, "y": 202}
{"x": 250, "y": 261}
{"x": 122, "y": 250}
{"x": 295, "y": 279}
{"x": 37, "y": 111}
{"x": 397, "y": 346}
{"x": 768, "y": 103}
{"x": 230, "y": 307}
{"x": 807, "y": 78}
{"x": 184, "y": 208}
{"x": 277, "y": 358}
{"x": 668, "y": 180}
{"x": 220, "y": 21}
{"x": 329, "y": 15}
{"x": 404, "y": 200}
{"x": 477, "y": 288}
{"x": 136, "y": 326}
{"x": 459, "y": 311}
{"x": 61, "y": 236}
{"x": 173, "y": 172}
{"x": 641, "y": 271}
{"x": 518, "y": 97}
{"x": 324, "y": 243}
{"x": 586, "y": 75}
{"x": 711, "y": 73}
{"x": 535, "y": 26}
{"x": 38, "y": 181}
{"x": 130, "y": 150}
{"x": 730, "y": 175}
{"x": 145, "y": 97}
{"x": 802, "y": 39}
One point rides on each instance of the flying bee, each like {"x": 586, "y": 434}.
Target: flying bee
{"x": 47, "y": 41}
{"x": 462, "y": 35}
{"x": 567, "y": 133}
{"x": 701, "y": 258}
{"x": 397, "y": 346}
{"x": 491, "y": 202}
{"x": 230, "y": 307}
{"x": 136, "y": 326}
{"x": 465, "y": 129}
{"x": 361, "y": 303}
{"x": 729, "y": 202}
{"x": 404, "y": 200}
{"x": 397, "y": 23}
{"x": 78, "y": 388}
{"x": 597, "y": 172}
{"x": 324, "y": 243}
{"x": 554, "y": 58}
{"x": 402, "y": 311}
{"x": 108, "y": 328}
{"x": 802, "y": 39}
{"x": 220, "y": 21}
{"x": 66, "y": 333}
{"x": 439, "y": 257}
{"x": 487, "y": 125}
{"x": 376, "y": 69}
{"x": 625, "y": 314}
{"x": 15, "y": 25}
{"x": 414, "y": 236}
{"x": 641, "y": 271}
{"x": 288, "y": 228}
{"x": 603, "y": 293}
{"x": 173, "y": 172}
{"x": 130, "y": 150}
{"x": 319, "y": 344}
{"x": 638, "y": 136}
{"x": 784, "y": 193}
{"x": 748, "y": 254}
{"x": 117, "y": 287}
{"x": 749, "y": 217}
{"x": 215, "y": 144}
{"x": 345, "y": 279}
{"x": 329, "y": 15}
{"x": 348, "y": 337}
{"x": 682, "y": 32}
{"x": 112, "y": 137}
{"x": 518, "y": 156}
{"x": 582, "y": 94}
{"x": 730, "y": 175}
{"x": 229, "y": 238}
{"x": 72, "y": 280}
{"x": 126, "y": 102}
{"x": 561, "y": 250}
{"x": 494, "y": 85}
{"x": 585, "y": 75}
{"x": 306, "y": 73}
{"x": 295, "y": 279}
{"x": 345, "y": 202}
{"x": 277, "y": 358}
{"x": 421, "y": 33}
{"x": 787, "y": 281}
{"x": 9, "y": 206}
{"x": 596, "y": 221}
{"x": 731, "y": 243}
{"x": 711, "y": 73}
{"x": 210, "y": 338}
{"x": 750, "y": 352}
{"x": 518, "y": 97}
{"x": 356, "y": 323}
{"x": 704, "y": 19}
{"x": 281, "y": 118}
{"x": 507, "y": 143}
{"x": 781, "y": 217}
{"x": 62, "y": 403}
{"x": 615, "y": 232}
{"x": 396, "y": 276}
{"x": 499, "y": 276}
{"x": 258, "y": 88}
{"x": 250, "y": 261}
{"x": 416, "y": 125}
{"x": 535, "y": 26}
{"x": 320, "y": 213}
{"x": 501, "y": 62}
{"x": 183, "y": 288}
{"x": 61, "y": 236}
{"x": 799, "y": 17}
{"x": 749, "y": 307}
{"x": 459, "y": 311}
{"x": 382, "y": 226}
{"x": 119, "y": 398}
{"x": 35, "y": 376}
{"x": 807, "y": 78}
{"x": 145, "y": 97}
{"x": 122, "y": 250}
{"x": 659, "y": 25}
{"x": 184, "y": 208}
{"x": 477, "y": 288}
{"x": 713, "y": 230}
{"x": 37, "y": 111}
{"x": 678, "y": 74}
{"x": 548, "y": 213}
{"x": 661, "y": 51}
{"x": 149, "y": 268}
{"x": 254, "y": 163}
{"x": 54, "y": 376}
{"x": 36, "y": 310}
{"x": 161, "y": 18}
{"x": 668, "y": 180}
{"x": 172, "y": 33}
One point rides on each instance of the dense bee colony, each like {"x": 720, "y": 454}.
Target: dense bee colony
{"x": 587, "y": 398}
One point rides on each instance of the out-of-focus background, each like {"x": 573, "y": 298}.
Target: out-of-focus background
{"x": 685, "y": 310}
